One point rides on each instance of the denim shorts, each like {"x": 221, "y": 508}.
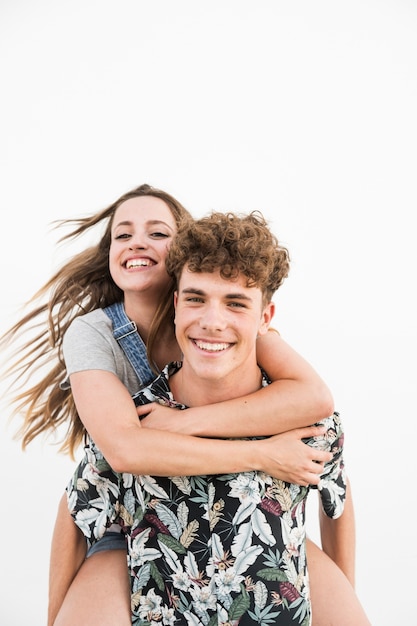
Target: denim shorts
{"x": 110, "y": 541}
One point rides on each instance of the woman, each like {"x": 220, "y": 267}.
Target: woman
{"x": 298, "y": 397}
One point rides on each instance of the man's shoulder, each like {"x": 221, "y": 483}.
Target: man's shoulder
{"x": 159, "y": 390}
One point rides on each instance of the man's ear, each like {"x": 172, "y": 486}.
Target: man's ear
{"x": 266, "y": 318}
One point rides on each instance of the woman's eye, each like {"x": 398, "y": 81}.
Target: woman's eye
{"x": 159, "y": 235}
{"x": 123, "y": 236}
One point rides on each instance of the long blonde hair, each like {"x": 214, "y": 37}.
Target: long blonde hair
{"x": 81, "y": 285}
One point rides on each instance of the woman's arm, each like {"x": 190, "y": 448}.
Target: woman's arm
{"x": 297, "y": 397}
{"x": 109, "y": 415}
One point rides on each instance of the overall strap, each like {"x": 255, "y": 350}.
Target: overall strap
{"x": 126, "y": 334}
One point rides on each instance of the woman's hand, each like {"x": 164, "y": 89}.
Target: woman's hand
{"x": 284, "y": 456}
{"x": 161, "y": 417}
{"x": 288, "y": 458}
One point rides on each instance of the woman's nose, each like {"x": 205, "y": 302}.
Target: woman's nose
{"x": 137, "y": 242}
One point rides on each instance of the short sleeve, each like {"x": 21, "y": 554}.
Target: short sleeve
{"x": 93, "y": 495}
{"x": 87, "y": 347}
{"x": 332, "y": 486}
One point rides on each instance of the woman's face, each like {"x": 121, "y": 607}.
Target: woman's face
{"x": 142, "y": 231}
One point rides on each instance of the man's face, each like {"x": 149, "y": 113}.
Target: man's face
{"x": 217, "y": 322}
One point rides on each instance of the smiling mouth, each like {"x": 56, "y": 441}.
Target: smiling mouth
{"x": 138, "y": 263}
{"x": 211, "y": 347}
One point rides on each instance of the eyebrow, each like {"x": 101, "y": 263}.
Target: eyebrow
{"x": 148, "y": 223}
{"x": 228, "y": 296}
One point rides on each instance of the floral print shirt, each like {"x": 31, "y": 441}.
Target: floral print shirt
{"x": 208, "y": 550}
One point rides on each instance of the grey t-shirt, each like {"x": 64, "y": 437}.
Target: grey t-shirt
{"x": 89, "y": 345}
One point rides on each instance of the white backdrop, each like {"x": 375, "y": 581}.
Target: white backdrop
{"x": 304, "y": 110}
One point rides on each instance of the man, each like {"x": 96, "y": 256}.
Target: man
{"x": 218, "y": 548}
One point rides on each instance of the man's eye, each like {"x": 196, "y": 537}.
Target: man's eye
{"x": 237, "y": 305}
{"x": 194, "y": 299}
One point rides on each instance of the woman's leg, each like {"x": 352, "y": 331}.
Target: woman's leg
{"x": 99, "y": 594}
{"x": 333, "y": 599}
{"x": 68, "y": 551}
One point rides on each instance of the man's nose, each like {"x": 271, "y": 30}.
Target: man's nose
{"x": 212, "y": 318}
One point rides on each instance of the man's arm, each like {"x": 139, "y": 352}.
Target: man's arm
{"x": 68, "y": 550}
{"x": 338, "y": 537}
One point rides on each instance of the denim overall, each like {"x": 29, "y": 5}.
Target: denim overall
{"x": 126, "y": 334}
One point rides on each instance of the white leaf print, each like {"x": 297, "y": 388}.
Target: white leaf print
{"x": 141, "y": 578}
{"x": 102, "y": 484}
{"x": 242, "y": 540}
{"x": 138, "y": 552}
{"x": 100, "y": 525}
{"x": 139, "y": 492}
{"x": 183, "y": 484}
{"x": 182, "y": 513}
{"x": 222, "y": 614}
{"x": 192, "y": 620}
{"x": 191, "y": 566}
{"x": 211, "y": 493}
{"x": 261, "y": 528}
{"x": 245, "y": 509}
{"x": 216, "y": 547}
{"x": 84, "y": 518}
{"x": 286, "y": 527}
{"x": 169, "y": 519}
{"x": 335, "y": 492}
{"x": 297, "y": 533}
{"x": 246, "y": 558}
{"x": 289, "y": 568}
{"x": 260, "y": 594}
{"x": 150, "y": 554}
{"x": 171, "y": 558}
{"x": 127, "y": 480}
{"x": 99, "y": 503}
{"x": 72, "y": 498}
{"x": 151, "y": 486}
{"x": 129, "y": 502}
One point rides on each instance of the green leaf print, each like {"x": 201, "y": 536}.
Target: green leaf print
{"x": 102, "y": 465}
{"x": 138, "y": 516}
{"x": 265, "y": 617}
{"x": 154, "y": 571}
{"x": 172, "y": 543}
{"x": 239, "y": 605}
{"x": 272, "y": 573}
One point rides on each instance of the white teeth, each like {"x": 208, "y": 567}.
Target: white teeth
{"x": 138, "y": 263}
{"x": 211, "y": 347}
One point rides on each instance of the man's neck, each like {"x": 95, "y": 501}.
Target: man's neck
{"x": 194, "y": 391}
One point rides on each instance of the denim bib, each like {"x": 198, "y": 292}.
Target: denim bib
{"x": 126, "y": 334}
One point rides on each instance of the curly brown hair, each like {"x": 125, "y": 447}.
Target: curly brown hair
{"x": 233, "y": 244}
{"x": 81, "y": 285}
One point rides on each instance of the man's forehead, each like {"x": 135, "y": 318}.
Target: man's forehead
{"x": 213, "y": 282}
